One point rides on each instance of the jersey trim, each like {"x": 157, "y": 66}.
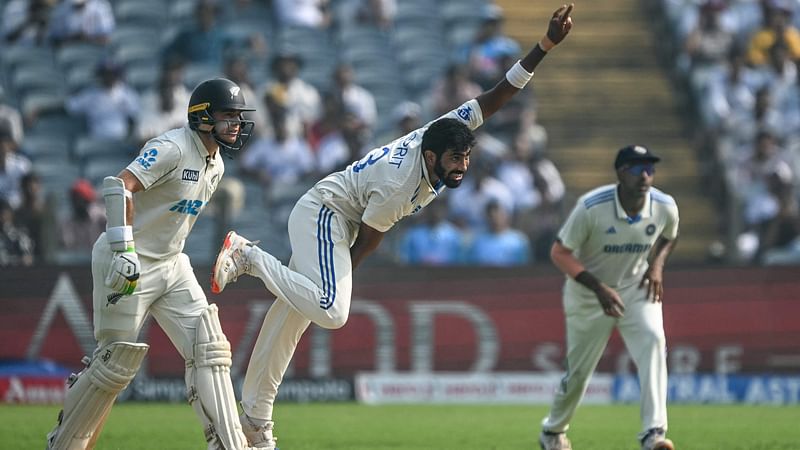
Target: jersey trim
{"x": 600, "y": 197}
{"x": 661, "y": 197}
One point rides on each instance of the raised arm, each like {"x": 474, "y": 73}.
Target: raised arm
{"x": 518, "y": 76}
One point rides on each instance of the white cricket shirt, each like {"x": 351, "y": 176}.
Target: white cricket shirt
{"x": 611, "y": 245}
{"x": 179, "y": 178}
{"x": 390, "y": 182}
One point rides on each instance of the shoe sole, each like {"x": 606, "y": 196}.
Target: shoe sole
{"x": 226, "y": 244}
{"x": 666, "y": 445}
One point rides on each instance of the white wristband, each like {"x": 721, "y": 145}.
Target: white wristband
{"x": 118, "y": 237}
{"x": 518, "y": 76}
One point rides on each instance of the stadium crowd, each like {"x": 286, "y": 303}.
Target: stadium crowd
{"x": 738, "y": 62}
{"x": 85, "y": 83}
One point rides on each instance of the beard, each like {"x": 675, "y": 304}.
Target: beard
{"x": 451, "y": 183}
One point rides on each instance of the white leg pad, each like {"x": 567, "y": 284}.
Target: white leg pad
{"x": 210, "y": 390}
{"x": 90, "y": 397}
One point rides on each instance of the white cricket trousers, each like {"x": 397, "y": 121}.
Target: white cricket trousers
{"x": 315, "y": 287}
{"x": 167, "y": 289}
{"x": 588, "y": 331}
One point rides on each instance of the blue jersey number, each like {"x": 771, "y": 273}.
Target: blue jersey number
{"x": 371, "y": 158}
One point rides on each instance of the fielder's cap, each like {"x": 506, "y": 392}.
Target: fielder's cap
{"x": 634, "y": 153}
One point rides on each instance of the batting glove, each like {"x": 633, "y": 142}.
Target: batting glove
{"x": 124, "y": 271}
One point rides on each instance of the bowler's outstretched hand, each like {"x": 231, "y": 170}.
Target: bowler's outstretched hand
{"x": 560, "y": 24}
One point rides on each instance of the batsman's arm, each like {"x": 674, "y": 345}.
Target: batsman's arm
{"x": 518, "y": 76}
{"x": 133, "y": 185}
{"x": 367, "y": 241}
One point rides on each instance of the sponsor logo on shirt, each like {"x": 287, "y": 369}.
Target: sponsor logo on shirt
{"x": 147, "y": 158}
{"x": 611, "y": 230}
{"x": 465, "y": 112}
{"x": 626, "y": 248}
{"x": 186, "y": 206}
{"x": 190, "y": 175}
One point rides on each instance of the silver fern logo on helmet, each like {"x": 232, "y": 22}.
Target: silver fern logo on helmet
{"x": 234, "y": 92}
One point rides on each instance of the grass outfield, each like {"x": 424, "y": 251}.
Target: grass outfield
{"x": 349, "y": 426}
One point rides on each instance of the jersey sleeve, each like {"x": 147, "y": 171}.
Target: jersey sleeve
{"x": 671, "y": 226}
{"x": 469, "y": 113}
{"x": 155, "y": 162}
{"x": 384, "y": 209}
{"x": 575, "y": 230}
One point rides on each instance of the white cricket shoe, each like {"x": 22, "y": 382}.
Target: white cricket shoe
{"x": 554, "y": 441}
{"x": 656, "y": 440}
{"x": 231, "y": 261}
{"x": 258, "y": 436}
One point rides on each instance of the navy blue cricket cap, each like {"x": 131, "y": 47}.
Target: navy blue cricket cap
{"x": 634, "y": 154}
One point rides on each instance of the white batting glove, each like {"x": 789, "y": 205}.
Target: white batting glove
{"x": 124, "y": 272}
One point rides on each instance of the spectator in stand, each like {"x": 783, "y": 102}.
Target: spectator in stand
{"x": 468, "y": 203}
{"x": 379, "y": 13}
{"x": 433, "y": 240}
{"x": 110, "y": 108}
{"x": 728, "y": 101}
{"x": 753, "y": 184}
{"x": 499, "y": 245}
{"x": 280, "y": 159}
{"x": 33, "y": 214}
{"x": 236, "y": 69}
{"x": 359, "y": 101}
{"x": 777, "y": 28}
{"x": 16, "y": 247}
{"x": 303, "y": 13}
{"x": 331, "y": 149}
{"x": 201, "y": 42}
{"x": 452, "y": 89}
{"x": 13, "y": 167}
{"x": 25, "y": 22}
{"x": 484, "y": 55}
{"x": 706, "y": 49}
{"x": 11, "y": 119}
{"x": 90, "y": 21}
{"x": 779, "y": 238}
{"x": 302, "y": 100}
{"x": 86, "y": 220}
{"x": 164, "y": 107}
{"x": 406, "y": 117}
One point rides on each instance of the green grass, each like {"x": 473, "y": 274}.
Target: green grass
{"x": 349, "y": 426}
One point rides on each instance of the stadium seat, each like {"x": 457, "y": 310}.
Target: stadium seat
{"x": 38, "y": 146}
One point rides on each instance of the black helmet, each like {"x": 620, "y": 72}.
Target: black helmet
{"x": 219, "y": 94}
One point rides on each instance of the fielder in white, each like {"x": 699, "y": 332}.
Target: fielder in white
{"x": 343, "y": 218}
{"x": 170, "y": 183}
{"x": 603, "y": 248}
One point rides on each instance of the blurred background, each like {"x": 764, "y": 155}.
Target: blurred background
{"x": 709, "y": 85}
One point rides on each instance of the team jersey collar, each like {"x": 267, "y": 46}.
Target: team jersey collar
{"x": 199, "y": 146}
{"x": 435, "y": 189}
{"x": 645, "y": 213}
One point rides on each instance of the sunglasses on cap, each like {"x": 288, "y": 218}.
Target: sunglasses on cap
{"x": 637, "y": 169}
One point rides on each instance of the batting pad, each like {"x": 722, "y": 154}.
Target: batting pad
{"x": 90, "y": 398}
{"x": 208, "y": 378}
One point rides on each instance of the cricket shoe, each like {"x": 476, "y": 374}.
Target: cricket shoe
{"x": 258, "y": 436}
{"x": 554, "y": 441}
{"x": 232, "y": 261}
{"x": 656, "y": 440}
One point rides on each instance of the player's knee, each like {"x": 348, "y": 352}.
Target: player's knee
{"x": 333, "y": 320}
